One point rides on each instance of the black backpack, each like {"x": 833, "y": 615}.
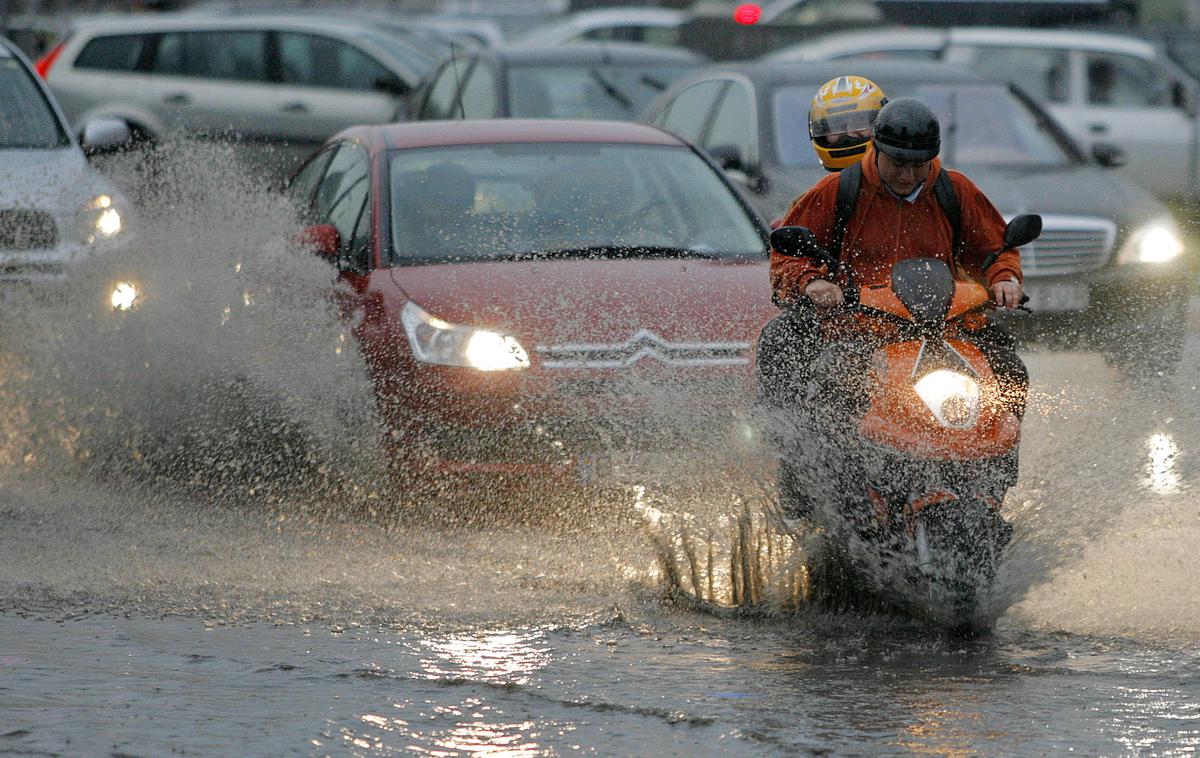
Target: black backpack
{"x": 849, "y": 182}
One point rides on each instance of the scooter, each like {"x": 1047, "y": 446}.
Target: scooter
{"x": 903, "y": 444}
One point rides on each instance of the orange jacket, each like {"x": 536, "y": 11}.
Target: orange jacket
{"x": 885, "y": 229}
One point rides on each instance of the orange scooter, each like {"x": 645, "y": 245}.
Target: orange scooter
{"x": 904, "y": 444}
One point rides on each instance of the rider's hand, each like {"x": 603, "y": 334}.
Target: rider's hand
{"x": 1007, "y": 293}
{"x": 824, "y": 294}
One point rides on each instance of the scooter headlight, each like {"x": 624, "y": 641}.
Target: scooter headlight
{"x": 953, "y": 398}
{"x": 436, "y": 341}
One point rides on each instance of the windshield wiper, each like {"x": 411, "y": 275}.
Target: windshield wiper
{"x": 614, "y": 251}
{"x": 610, "y": 89}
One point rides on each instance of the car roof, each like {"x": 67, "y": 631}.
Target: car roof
{"x": 200, "y": 22}
{"x": 770, "y": 74}
{"x": 420, "y": 134}
{"x": 585, "y": 53}
{"x": 974, "y": 35}
{"x": 1021, "y": 37}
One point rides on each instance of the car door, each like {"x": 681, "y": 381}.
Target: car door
{"x": 211, "y": 84}
{"x": 1133, "y": 103}
{"x": 326, "y": 85}
{"x": 1103, "y": 98}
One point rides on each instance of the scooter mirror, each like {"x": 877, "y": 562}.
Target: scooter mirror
{"x": 797, "y": 242}
{"x": 1022, "y": 230}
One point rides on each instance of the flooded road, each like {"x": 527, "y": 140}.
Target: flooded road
{"x": 214, "y": 606}
{"x": 146, "y": 626}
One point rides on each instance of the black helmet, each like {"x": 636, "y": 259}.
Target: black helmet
{"x": 907, "y": 130}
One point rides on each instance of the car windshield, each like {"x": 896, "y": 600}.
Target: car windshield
{"x": 564, "y": 199}
{"x": 981, "y": 126}
{"x": 26, "y": 119}
{"x": 602, "y": 91}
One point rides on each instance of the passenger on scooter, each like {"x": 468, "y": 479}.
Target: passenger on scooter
{"x": 840, "y": 119}
{"x": 902, "y": 209}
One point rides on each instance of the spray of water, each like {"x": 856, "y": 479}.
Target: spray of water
{"x": 230, "y": 372}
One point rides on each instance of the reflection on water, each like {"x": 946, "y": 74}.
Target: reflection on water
{"x": 496, "y": 658}
{"x": 1161, "y": 471}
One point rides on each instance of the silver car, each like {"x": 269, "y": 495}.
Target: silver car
{"x": 275, "y": 84}
{"x": 54, "y": 208}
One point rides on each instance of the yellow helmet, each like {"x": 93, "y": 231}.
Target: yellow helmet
{"x": 840, "y": 119}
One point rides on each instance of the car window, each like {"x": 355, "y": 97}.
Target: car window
{"x": 443, "y": 93}
{"x": 304, "y": 184}
{"x": 341, "y": 196}
{"x": 1123, "y": 81}
{"x": 612, "y": 92}
{"x": 169, "y": 55}
{"x": 479, "y": 96}
{"x": 691, "y": 108}
{"x": 118, "y": 52}
{"x": 314, "y": 60}
{"x": 235, "y": 56}
{"x": 734, "y": 124}
{"x": 981, "y": 126}
{"x": 26, "y": 118}
{"x": 901, "y": 53}
{"x": 1043, "y": 73}
{"x": 826, "y": 11}
{"x": 665, "y": 36}
{"x": 492, "y": 201}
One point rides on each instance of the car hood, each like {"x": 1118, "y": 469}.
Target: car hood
{"x": 560, "y": 302}
{"x": 57, "y": 180}
{"x": 1075, "y": 191}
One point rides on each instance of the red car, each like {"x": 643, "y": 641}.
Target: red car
{"x": 550, "y": 298}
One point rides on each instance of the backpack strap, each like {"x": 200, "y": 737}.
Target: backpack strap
{"x": 948, "y": 199}
{"x": 849, "y": 182}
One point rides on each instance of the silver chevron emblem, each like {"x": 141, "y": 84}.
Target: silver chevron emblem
{"x": 644, "y": 344}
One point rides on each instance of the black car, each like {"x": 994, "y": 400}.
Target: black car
{"x": 1109, "y": 268}
{"x": 592, "y": 81}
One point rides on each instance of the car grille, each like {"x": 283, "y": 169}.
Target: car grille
{"x": 645, "y": 345}
{"x": 27, "y": 230}
{"x": 1069, "y": 245}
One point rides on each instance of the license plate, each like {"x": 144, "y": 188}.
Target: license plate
{"x": 1057, "y": 297}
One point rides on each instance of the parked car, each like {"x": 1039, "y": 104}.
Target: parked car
{"x": 1102, "y": 88}
{"x": 54, "y": 208}
{"x": 284, "y": 84}
{"x": 1108, "y": 269}
{"x": 654, "y": 26}
{"x": 596, "y": 81}
{"x": 518, "y": 322}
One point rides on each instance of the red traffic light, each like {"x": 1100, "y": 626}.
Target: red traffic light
{"x": 747, "y": 13}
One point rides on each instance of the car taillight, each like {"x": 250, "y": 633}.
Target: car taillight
{"x": 46, "y": 61}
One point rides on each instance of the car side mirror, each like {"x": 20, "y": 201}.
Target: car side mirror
{"x": 1108, "y": 155}
{"x": 1022, "y": 230}
{"x": 322, "y": 239}
{"x": 105, "y": 135}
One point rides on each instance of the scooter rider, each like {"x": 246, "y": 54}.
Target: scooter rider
{"x": 900, "y": 211}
